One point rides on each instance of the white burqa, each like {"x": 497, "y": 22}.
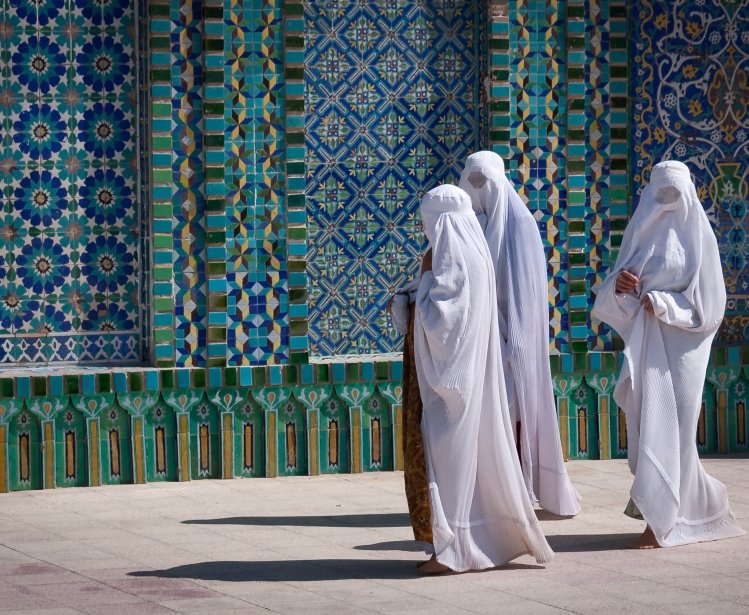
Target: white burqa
{"x": 523, "y": 311}
{"x": 670, "y": 247}
{"x": 481, "y": 514}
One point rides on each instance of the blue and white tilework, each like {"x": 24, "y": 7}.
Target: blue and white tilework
{"x": 392, "y": 93}
{"x": 69, "y": 224}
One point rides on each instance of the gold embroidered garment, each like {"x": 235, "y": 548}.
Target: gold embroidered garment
{"x": 414, "y": 467}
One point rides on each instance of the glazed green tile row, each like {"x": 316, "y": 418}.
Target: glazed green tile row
{"x": 182, "y": 425}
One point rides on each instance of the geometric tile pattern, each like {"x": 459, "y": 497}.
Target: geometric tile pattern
{"x": 296, "y": 210}
{"x": 212, "y": 46}
{"x": 594, "y": 242}
{"x": 617, "y": 205}
{"x": 69, "y": 215}
{"x": 538, "y": 136}
{"x": 256, "y": 235}
{"x": 220, "y": 279}
{"x": 392, "y": 93}
{"x": 188, "y": 180}
{"x": 690, "y": 98}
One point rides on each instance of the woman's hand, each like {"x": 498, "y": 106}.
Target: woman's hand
{"x": 648, "y": 305}
{"x": 626, "y": 282}
{"x": 426, "y": 261}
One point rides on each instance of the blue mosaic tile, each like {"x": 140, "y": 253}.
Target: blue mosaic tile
{"x": 389, "y": 115}
{"x": 69, "y": 215}
{"x": 691, "y": 109}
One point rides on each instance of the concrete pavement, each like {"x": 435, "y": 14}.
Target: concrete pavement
{"x": 341, "y": 544}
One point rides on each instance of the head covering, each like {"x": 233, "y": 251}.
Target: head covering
{"x": 519, "y": 263}
{"x": 481, "y": 514}
{"x": 457, "y": 243}
{"x": 670, "y": 246}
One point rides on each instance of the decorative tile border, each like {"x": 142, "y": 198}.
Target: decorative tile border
{"x": 296, "y": 214}
{"x": 183, "y": 424}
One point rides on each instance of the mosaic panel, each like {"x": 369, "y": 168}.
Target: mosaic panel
{"x": 188, "y": 180}
{"x": 392, "y": 101}
{"x": 690, "y": 100}
{"x": 538, "y": 133}
{"x": 69, "y": 219}
{"x": 256, "y": 240}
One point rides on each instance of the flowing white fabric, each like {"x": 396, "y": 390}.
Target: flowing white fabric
{"x": 481, "y": 514}
{"x": 523, "y": 311}
{"x": 670, "y": 247}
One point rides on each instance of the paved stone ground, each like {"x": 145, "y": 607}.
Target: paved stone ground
{"x": 341, "y": 544}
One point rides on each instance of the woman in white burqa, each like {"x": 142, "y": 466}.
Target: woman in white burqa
{"x": 666, "y": 298}
{"x": 523, "y": 312}
{"x": 481, "y": 514}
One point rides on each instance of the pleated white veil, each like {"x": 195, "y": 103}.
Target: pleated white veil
{"x": 523, "y": 315}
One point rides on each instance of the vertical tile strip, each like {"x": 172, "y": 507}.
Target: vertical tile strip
{"x": 296, "y": 211}
{"x": 188, "y": 177}
{"x": 578, "y": 150}
{"x": 214, "y": 45}
{"x": 499, "y": 75}
{"x": 160, "y": 182}
{"x": 145, "y": 159}
{"x": 597, "y": 161}
{"x": 256, "y": 228}
{"x": 538, "y": 138}
{"x": 619, "y": 172}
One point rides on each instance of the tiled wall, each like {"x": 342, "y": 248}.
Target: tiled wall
{"x": 265, "y": 174}
{"x": 219, "y": 183}
{"x": 70, "y": 213}
{"x": 690, "y": 95}
{"x": 393, "y": 107}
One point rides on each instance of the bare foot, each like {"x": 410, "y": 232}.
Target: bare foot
{"x": 646, "y": 540}
{"x": 432, "y": 567}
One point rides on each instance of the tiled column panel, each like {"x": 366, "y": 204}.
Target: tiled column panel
{"x": 255, "y": 222}
{"x": 296, "y": 215}
{"x": 538, "y": 134}
{"x": 591, "y": 247}
{"x": 220, "y": 277}
{"x": 177, "y": 183}
{"x": 69, "y": 219}
{"x": 618, "y": 176}
{"x": 580, "y": 101}
{"x": 499, "y": 74}
{"x": 188, "y": 181}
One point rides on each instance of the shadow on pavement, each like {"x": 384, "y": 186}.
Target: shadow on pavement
{"x": 364, "y": 520}
{"x": 288, "y": 570}
{"x": 578, "y": 543}
{"x": 300, "y": 570}
{"x": 397, "y": 545}
{"x": 545, "y": 515}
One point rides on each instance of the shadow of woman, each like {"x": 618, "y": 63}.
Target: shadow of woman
{"x": 299, "y": 570}
{"x": 363, "y": 520}
{"x": 579, "y": 543}
{"x": 288, "y": 570}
